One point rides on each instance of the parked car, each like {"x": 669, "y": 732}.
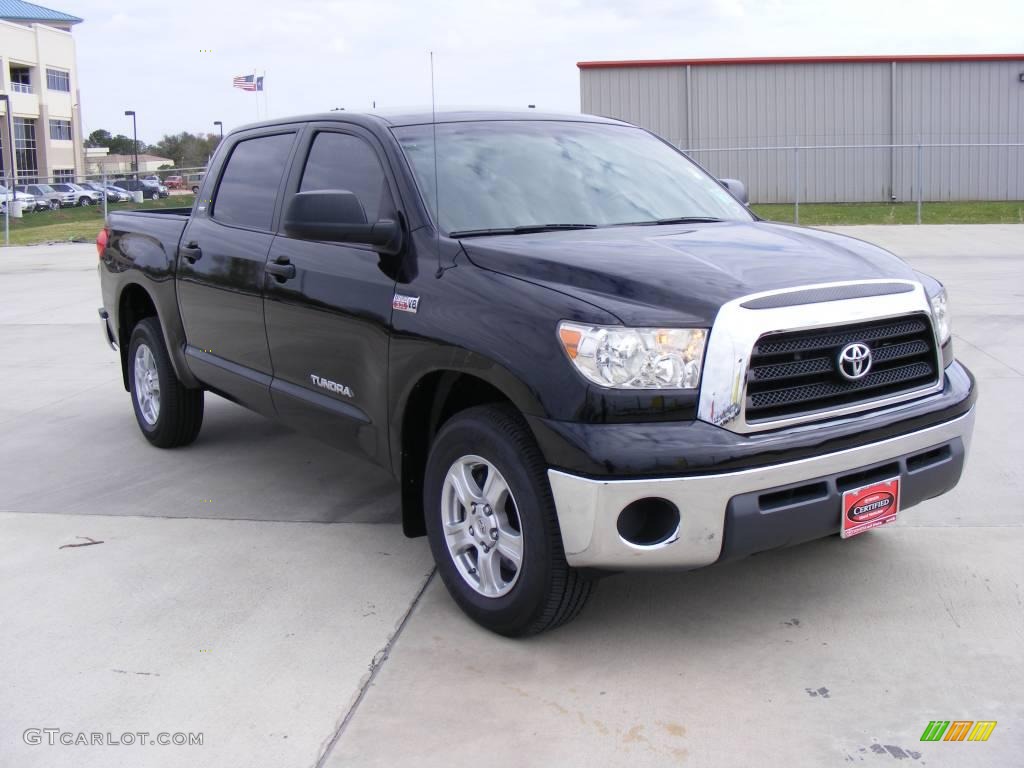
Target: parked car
{"x": 173, "y": 182}
{"x": 108, "y": 191}
{"x": 604, "y": 362}
{"x": 94, "y": 186}
{"x": 150, "y": 189}
{"x": 118, "y": 195}
{"x": 28, "y": 202}
{"x": 82, "y": 195}
{"x": 46, "y": 193}
{"x": 193, "y": 181}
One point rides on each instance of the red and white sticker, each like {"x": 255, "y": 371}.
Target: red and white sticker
{"x": 402, "y": 303}
{"x": 870, "y": 506}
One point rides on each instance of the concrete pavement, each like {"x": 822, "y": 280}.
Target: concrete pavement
{"x": 221, "y": 602}
{"x": 257, "y": 636}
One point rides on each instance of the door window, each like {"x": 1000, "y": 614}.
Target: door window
{"x": 248, "y": 187}
{"x": 342, "y": 161}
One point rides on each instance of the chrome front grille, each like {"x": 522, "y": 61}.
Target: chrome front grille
{"x": 794, "y": 373}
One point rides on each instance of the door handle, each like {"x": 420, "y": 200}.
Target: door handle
{"x": 191, "y": 251}
{"x": 281, "y": 268}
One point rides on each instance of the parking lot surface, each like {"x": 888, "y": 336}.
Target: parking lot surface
{"x": 256, "y": 588}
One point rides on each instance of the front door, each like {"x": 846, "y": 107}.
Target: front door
{"x": 328, "y": 309}
{"x": 221, "y": 265}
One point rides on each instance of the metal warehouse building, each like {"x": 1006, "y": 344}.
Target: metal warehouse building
{"x": 832, "y": 129}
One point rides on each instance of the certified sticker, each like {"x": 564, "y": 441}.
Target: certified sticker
{"x": 870, "y": 506}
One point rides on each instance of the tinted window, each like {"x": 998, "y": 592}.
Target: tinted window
{"x": 248, "y": 187}
{"x": 340, "y": 161}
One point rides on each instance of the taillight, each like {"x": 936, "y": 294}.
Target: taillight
{"x": 101, "y": 242}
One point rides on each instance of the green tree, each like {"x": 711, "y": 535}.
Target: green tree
{"x": 187, "y": 150}
{"x": 118, "y": 145}
{"x": 123, "y": 145}
{"x": 99, "y": 138}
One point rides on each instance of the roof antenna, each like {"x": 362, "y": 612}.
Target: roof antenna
{"x": 437, "y": 186}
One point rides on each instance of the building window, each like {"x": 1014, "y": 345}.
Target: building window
{"x": 60, "y": 130}
{"x": 58, "y": 80}
{"x": 25, "y": 149}
{"x": 63, "y": 175}
{"x": 20, "y": 79}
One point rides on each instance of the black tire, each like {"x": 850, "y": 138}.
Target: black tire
{"x": 84, "y": 200}
{"x": 155, "y": 196}
{"x": 180, "y": 413}
{"x": 547, "y": 591}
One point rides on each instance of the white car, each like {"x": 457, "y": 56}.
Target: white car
{"x": 82, "y": 195}
{"x": 29, "y": 202}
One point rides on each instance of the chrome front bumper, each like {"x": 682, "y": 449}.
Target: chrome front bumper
{"x": 588, "y": 509}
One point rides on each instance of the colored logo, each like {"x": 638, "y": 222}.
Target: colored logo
{"x": 871, "y": 506}
{"x": 403, "y": 303}
{"x": 958, "y": 730}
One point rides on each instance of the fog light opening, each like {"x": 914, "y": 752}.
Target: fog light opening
{"x": 648, "y": 522}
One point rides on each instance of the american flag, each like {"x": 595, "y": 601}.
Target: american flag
{"x": 248, "y": 83}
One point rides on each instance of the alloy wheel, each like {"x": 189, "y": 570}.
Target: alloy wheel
{"x": 482, "y": 526}
{"x": 147, "y": 384}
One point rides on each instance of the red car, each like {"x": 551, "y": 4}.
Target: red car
{"x": 173, "y": 182}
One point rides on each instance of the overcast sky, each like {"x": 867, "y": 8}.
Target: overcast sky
{"x": 318, "y": 54}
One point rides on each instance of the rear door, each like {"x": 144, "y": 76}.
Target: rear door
{"x": 327, "y": 323}
{"x": 221, "y": 265}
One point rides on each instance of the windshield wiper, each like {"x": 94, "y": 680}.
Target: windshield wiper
{"x": 675, "y": 220}
{"x": 525, "y": 229}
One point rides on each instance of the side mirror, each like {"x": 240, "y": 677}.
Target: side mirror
{"x": 337, "y": 216}
{"x": 738, "y": 189}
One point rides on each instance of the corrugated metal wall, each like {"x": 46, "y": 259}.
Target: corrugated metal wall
{"x": 961, "y": 103}
{"x": 701, "y": 107}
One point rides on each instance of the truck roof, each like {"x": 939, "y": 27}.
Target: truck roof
{"x": 424, "y": 115}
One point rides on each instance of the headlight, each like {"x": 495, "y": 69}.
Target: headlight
{"x": 635, "y": 358}
{"x": 940, "y": 316}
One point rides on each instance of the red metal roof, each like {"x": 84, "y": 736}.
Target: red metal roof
{"x": 799, "y": 60}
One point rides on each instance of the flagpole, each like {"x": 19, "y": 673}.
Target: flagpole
{"x": 257, "y": 94}
{"x": 266, "y": 97}
{"x": 259, "y": 90}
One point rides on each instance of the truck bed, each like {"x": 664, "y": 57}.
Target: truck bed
{"x": 149, "y": 239}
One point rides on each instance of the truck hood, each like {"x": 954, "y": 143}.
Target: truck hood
{"x": 680, "y": 274}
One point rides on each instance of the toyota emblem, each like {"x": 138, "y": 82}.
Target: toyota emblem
{"x": 855, "y": 361}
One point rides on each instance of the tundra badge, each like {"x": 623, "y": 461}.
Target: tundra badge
{"x": 330, "y": 386}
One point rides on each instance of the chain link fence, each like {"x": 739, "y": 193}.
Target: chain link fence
{"x": 871, "y": 173}
{"x": 913, "y": 175}
{"x": 35, "y": 200}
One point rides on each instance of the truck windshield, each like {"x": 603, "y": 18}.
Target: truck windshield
{"x": 538, "y": 174}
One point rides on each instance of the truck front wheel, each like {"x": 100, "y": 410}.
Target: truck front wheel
{"x": 169, "y": 414}
{"x": 492, "y": 525}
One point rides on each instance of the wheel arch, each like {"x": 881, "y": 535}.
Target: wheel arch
{"x": 431, "y": 401}
{"x": 136, "y": 303}
{"x": 133, "y": 305}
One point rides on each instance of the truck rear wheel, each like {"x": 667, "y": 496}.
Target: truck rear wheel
{"x": 492, "y": 525}
{"x": 169, "y": 414}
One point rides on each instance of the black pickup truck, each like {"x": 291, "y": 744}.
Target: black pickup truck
{"x": 577, "y": 351}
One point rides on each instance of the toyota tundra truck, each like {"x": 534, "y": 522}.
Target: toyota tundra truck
{"x": 577, "y": 351}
